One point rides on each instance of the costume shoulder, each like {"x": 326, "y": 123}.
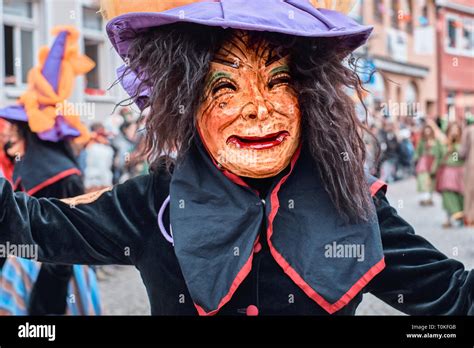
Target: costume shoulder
{"x": 375, "y": 185}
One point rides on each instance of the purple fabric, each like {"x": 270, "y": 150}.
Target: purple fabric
{"x": 161, "y": 225}
{"x": 52, "y": 65}
{"x": 14, "y": 113}
{"x": 61, "y": 131}
{"x": 293, "y": 17}
{"x": 130, "y": 82}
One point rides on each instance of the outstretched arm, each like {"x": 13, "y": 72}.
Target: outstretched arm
{"x": 103, "y": 228}
{"x": 418, "y": 279}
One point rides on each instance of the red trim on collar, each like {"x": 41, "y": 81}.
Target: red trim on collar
{"x": 243, "y": 273}
{"x": 247, "y": 267}
{"x": 297, "y": 279}
{"x": 53, "y": 180}
{"x": 377, "y": 186}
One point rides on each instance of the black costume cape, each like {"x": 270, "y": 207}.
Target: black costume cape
{"x": 216, "y": 219}
{"x": 119, "y": 226}
{"x": 44, "y": 164}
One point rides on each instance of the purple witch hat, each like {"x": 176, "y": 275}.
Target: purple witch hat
{"x": 292, "y": 17}
{"x": 51, "y": 71}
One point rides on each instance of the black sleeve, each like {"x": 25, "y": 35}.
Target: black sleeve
{"x": 418, "y": 279}
{"x": 110, "y": 228}
{"x": 49, "y": 293}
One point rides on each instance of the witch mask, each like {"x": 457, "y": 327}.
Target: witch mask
{"x": 249, "y": 119}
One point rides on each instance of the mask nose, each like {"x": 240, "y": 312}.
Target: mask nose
{"x": 258, "y": 109}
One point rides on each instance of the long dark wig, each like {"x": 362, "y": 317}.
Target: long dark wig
{"x": 173, "y": 63}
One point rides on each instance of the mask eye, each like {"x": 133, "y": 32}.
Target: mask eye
{"x": 280, "y": 79}
{"x": 223, "y": 86}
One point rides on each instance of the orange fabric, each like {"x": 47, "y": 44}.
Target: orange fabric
{"x": 40, "y": 92}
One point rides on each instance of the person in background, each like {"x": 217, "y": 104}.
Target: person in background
{"x": 124, "y": 145}
{"x": 6, "y": 163}
{"x": 99, "y": 160}
{"x": 449, "y": 177}
{"x": 406, "y": 153}
{"x": 467, "y": 154}
{"x": 127, "y": 115}
{"x": 389, "y": 145}
{"x": 428, "y": 153}
{"x": 372, "y": 148}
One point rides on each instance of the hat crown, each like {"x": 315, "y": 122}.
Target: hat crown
{"x": 52, "y": 65}
{"x": 114, "y": 8}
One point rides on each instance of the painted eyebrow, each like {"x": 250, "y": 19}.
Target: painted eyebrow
{"x": 279, "y": 69}
{"x": 215, "y": 76}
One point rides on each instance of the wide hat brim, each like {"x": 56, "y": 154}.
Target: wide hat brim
{"x": 292, "y": 17}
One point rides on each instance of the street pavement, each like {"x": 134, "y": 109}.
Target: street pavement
{"x": 123, "y": 293}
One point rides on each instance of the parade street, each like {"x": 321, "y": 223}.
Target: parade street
{"x": 123, "y": 293}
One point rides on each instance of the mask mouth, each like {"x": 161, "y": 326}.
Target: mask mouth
{"x": 263, "y": 142}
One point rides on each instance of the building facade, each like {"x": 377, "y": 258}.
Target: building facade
{"x": 456, "y": 59}
{"x": 25, "y": 26}
{"x": 402, "y": 49}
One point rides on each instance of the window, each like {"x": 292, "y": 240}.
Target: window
{"x": 91, "y": 49}
{"x": 27, "y": 54}
{"x": 91, "y": 19}
{"x": 394, "y": 13}
{"x": 468, "y": 36}
{"x": 20, "y": 8}
{"x": 9, "y": 56}
{"x": 425, "y": 16}
{"x": 452, "y": 33}
{"x": 460, "y": 35}
{"x": 20, "y": 33}
{"x": 378, "y": 11}
{"x": 94, "y": 49}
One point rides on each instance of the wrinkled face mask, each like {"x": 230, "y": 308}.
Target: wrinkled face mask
{"x": 250, "y": 120}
